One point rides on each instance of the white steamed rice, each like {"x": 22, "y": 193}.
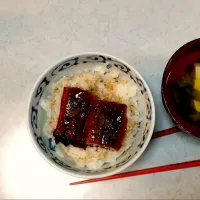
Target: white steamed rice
{"x": 107, "y": 84}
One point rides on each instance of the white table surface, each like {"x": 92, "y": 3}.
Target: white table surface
{"x": 35, "y": 34}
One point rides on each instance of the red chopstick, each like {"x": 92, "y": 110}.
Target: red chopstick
{"x": 183, "y": 165}
{"x": 166, "y": 132}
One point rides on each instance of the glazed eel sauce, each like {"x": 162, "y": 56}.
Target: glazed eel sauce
{"x": 86, "y": 121}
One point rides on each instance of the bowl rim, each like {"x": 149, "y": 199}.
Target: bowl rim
{"x": 103, "y": 174}
{"x": 175, "y": 117}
